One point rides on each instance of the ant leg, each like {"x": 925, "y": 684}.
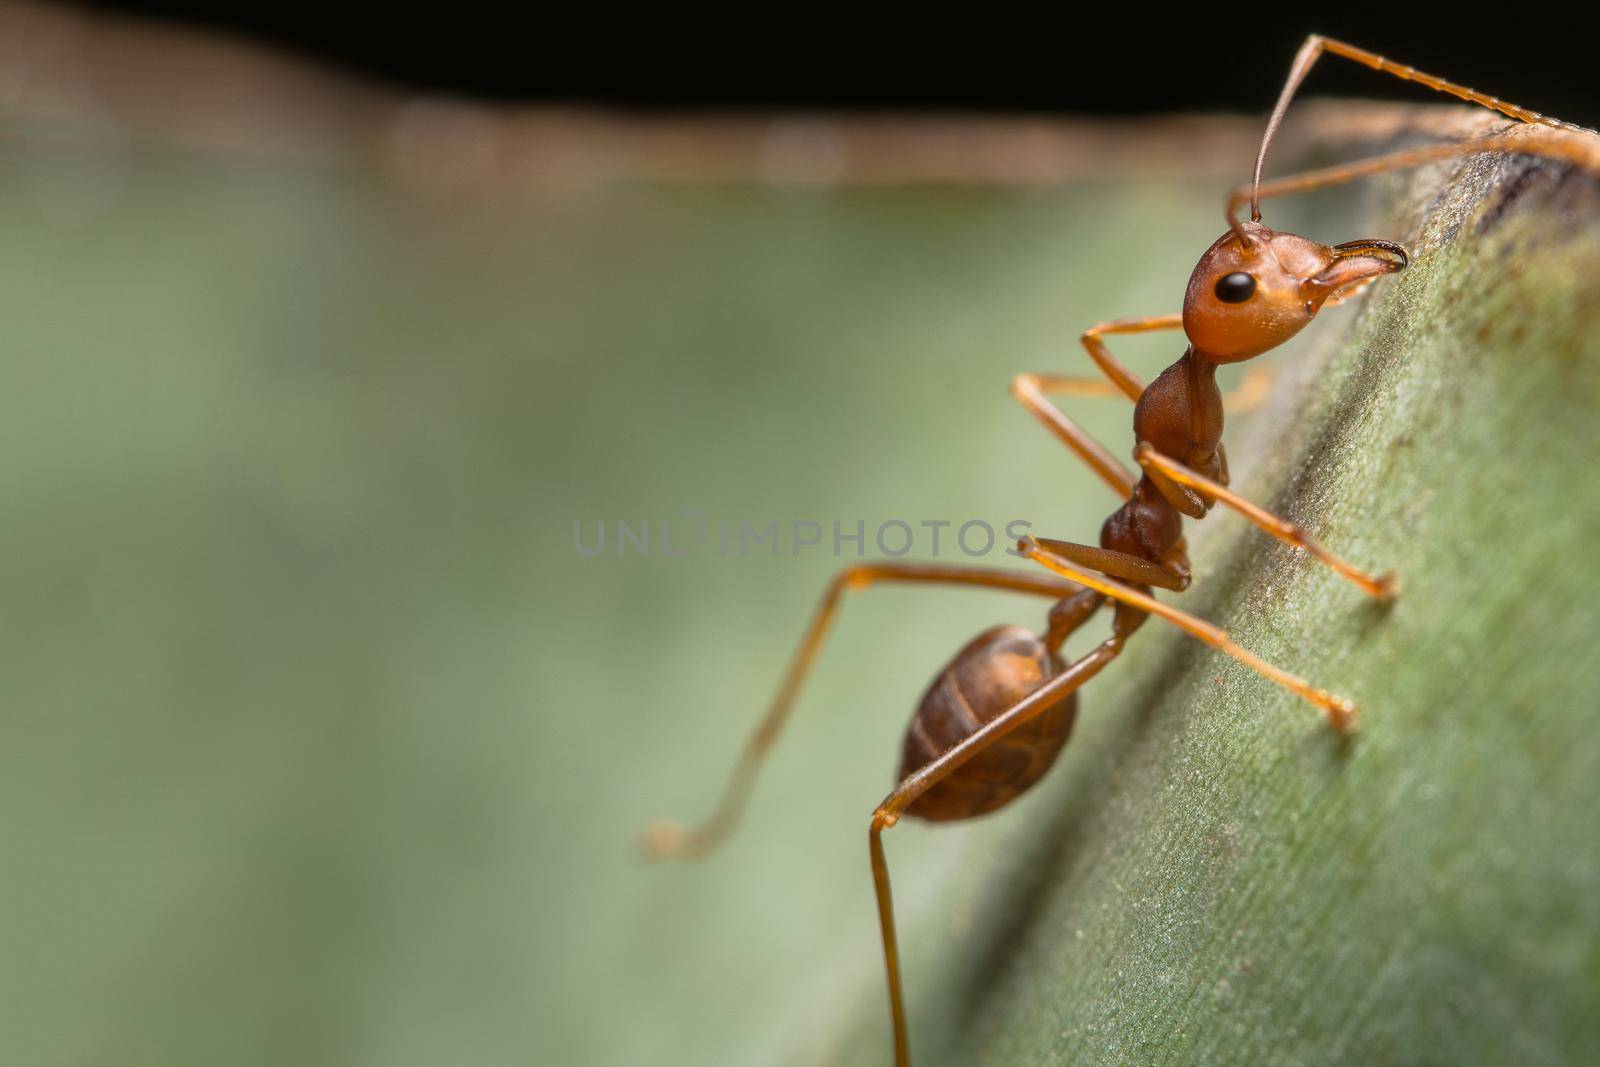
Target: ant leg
{"x": 1073, "y": 385}
{"x": 1340, "y": 713}
{"x": 1110, "y": 366}
{"x": 1382, "y": 587}
{"x": 920, "y": 781}
{"x": 1069, "y": 614}
{"x": 667, "y": 838}
{"x": 1122, "y": 382}
{"x": 1186, "y": 500}
{"x": 1030, "y": 391}
{"x": 1109, "y": 561}
{"x": 1246, "y": 396}
{"x": 1315, "y": 45}
{"x": 1580, "y": 148}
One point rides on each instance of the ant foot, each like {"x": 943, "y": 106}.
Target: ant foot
{"x": 1386, "y": 586}
{"x": 1341, "y": 713}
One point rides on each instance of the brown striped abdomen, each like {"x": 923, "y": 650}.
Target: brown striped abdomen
{"x": 995, "y": 670}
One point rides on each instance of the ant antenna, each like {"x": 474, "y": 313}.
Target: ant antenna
{"x": 1297, "y": 73}
{"x": 1314, "y": 47}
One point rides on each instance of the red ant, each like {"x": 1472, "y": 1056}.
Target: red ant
{"x": 996, "y": 717}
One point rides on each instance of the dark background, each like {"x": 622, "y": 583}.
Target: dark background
{"x": 1217, "y": 57}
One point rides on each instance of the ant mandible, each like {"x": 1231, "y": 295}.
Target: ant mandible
{"x": 996, "y": 717}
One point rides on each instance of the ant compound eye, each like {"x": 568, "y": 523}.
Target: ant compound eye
{"x": 1235, "y": 288}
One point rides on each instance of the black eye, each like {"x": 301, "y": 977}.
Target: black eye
{"x": 1235, "y": 288}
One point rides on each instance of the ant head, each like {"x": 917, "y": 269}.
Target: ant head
{"x": 1255, "y": 288}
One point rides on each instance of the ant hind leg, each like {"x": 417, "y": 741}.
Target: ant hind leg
{"x": 673, "y": 839}
{"x": 920, "y": 781}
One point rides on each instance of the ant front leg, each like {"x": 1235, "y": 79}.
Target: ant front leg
{"x": 1340, "y": 712}
{"x": 1109, "y": 365}
{"x": 1163, "y": 468}
{"x": 1121, "y": 381}
{"x": 1031, "y": 391}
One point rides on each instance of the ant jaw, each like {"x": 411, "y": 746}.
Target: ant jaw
{"x": 1376, "y": 249}
{"x": 1354, "y": 264}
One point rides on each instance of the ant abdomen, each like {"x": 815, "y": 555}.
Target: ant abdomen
{"x": 995, "y": 670}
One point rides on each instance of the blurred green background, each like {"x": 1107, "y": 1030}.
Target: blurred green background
{"x": 323, "y": 742}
